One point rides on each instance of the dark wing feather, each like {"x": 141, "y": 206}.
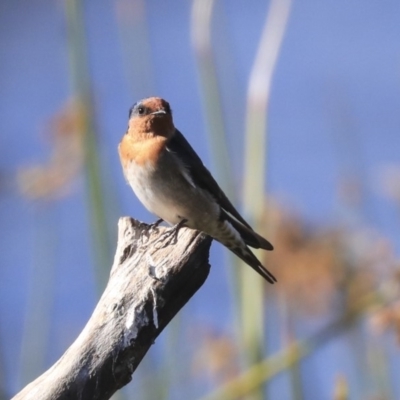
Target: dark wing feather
{"x": 200, "y": 175}
{"x": 250, "y": 237}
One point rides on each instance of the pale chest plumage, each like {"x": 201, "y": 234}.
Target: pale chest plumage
{"x": 166, "y": 190}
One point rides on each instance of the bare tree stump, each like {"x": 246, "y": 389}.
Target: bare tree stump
{"x": 147, "y": 287}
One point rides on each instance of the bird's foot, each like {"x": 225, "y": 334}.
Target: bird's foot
{"x": 153, "y": 227}
{"x": 170, "y": 236}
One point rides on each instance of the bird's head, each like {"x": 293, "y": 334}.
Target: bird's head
{"x": 151, "y": 117}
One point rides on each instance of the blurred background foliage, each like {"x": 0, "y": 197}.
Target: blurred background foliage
{"x": 293, "y": 106}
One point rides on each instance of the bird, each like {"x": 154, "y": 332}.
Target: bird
{"x": 171, "y": 181}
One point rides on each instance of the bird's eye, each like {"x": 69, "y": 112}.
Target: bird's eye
{"x": 141, "y": 110}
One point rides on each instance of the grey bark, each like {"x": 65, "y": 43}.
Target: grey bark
{"x": 148, "y": 285}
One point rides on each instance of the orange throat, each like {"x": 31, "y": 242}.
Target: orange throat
{"x": 142, "y": 151}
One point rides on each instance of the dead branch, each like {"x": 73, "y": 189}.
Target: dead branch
{"x": 148, "y": 285}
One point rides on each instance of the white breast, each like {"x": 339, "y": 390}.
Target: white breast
{"x": 153, "y": 193}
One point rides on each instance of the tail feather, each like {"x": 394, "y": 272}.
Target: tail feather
{"x": 227, "y": 234}
{"x": 250, "y": 259}
{"x": 250, "y": 237}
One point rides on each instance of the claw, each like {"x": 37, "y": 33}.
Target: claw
{"x": 158, "y": 222}
{"x": 170, "y": 236}
{"x": 153, "y": 227}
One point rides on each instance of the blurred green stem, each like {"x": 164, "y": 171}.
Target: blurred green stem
{"x": 202, "y": 13}
{"x": 288, "y": 338}
{"x": 259, "y": 91}
{"x": 284, "y": 359}
{"x": 201, "y": 33}
{"x": 81, "y": 81}
{"x": 250, "y": 285}
{"x": 40, "y": 295}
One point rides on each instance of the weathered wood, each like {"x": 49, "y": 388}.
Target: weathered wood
{"x": 148, "y": 285}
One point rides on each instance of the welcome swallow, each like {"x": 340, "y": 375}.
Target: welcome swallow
{"x": 171, "y": 181}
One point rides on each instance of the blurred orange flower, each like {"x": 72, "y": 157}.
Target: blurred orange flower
{"x": 53, "y": 179}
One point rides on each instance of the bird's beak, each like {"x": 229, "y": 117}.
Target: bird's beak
{"x": 159, "y": 112}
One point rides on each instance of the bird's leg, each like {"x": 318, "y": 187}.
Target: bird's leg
{"x": 158, "y": 222}
{"x": 154, "y": 225}
{"x": 170, "y": 236}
